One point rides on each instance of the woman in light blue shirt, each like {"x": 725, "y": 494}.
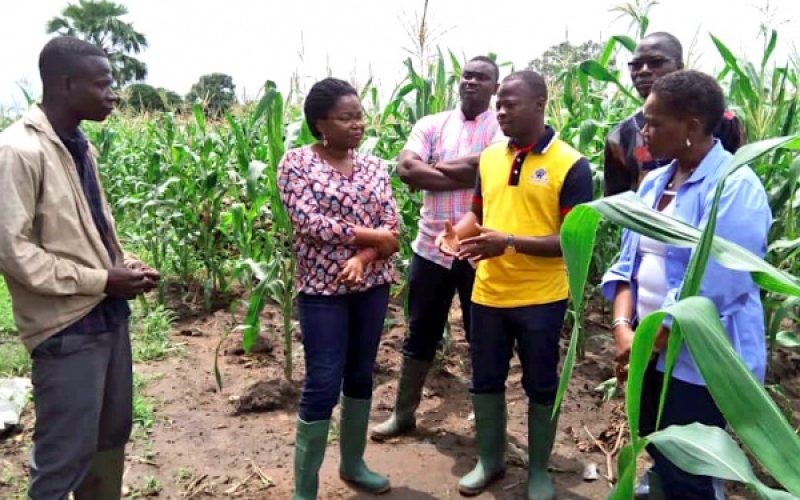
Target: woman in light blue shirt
{"x": 681, "y": 112}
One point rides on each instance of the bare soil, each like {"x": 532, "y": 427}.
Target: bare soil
{"x": 239, "y": 442}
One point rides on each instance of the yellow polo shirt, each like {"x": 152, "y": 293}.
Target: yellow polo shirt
{"x": 527, "y": 194}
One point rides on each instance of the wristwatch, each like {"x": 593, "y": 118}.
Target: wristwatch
{"x": 511, "y": 247}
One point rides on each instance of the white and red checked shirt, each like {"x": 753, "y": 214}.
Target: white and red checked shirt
{"x": 446, "y": 136}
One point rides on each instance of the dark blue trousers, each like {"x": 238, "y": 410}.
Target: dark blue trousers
{"x": 685, "y": 404}
{"x": 535, "y": 329}
{"x": 340, "y": 334}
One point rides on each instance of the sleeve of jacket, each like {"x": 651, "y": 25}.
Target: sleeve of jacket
{"x": 21, "y": 258}
{"x": 744, "y": 218}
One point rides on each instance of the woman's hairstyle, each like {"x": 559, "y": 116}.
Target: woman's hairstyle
{"x": 322, "y": 98}
{"x": 690, "y": 93}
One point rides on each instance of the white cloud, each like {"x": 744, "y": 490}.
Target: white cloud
{"x": 256, "y": 41}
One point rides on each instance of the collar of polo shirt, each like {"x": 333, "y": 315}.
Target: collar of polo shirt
{"x": 521, "y": 152}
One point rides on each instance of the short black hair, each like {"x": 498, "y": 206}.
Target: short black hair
{"x": 322, "y": 98}
{"x": 690, "y": 93}
{"x": 490, "y": 62}
{"x": 61, "y": 55}
{"x": 532, "y": 79}
{"x": 670, "y": 43}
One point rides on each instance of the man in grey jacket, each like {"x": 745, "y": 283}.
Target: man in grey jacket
{"x": 68, "y": 279}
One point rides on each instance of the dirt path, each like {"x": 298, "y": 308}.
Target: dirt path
{"x": 201, "y": 446}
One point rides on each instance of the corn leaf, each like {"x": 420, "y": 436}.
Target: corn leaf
{"x": 626, "y": 470}
{"x": 598, "y": 72}
{"x": 747, "y": 407}
{"x": 733, "y": 64}
{"x": 710, "y": 451}
{"x": 773, "y": 40}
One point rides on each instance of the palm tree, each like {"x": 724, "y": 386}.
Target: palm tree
{"x": 99, "y": 22}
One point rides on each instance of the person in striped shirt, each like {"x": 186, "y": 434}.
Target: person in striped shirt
{"x": 441, "y": 159}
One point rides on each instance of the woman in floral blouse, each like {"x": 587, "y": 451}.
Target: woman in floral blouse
{"x": 345, "y": 224}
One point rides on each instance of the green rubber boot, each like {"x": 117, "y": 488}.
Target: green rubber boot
{"x": 352, "y": 441}
{"x": 490, "y": 436}
{"x": 541, "y": 435}
{"x": 409, "y": 393}
{"x": 309, "y": 450}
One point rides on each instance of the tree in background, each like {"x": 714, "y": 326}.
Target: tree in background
{"x": 172, "y": 101}
{"x": 99, "y": 22}
{"x": 142, "y": 97}
{"x": 216, "y": 92}
{"x": 564, "y": 55}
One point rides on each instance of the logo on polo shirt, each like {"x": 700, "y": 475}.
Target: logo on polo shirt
{"x": 539, "y": 176}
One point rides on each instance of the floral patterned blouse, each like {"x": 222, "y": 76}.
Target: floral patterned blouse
{"x": 324, "y": 205}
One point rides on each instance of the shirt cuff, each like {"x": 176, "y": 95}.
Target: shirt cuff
{"x": 93, "y": 281}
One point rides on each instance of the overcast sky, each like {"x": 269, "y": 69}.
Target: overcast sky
{"x": 258, "y": 40}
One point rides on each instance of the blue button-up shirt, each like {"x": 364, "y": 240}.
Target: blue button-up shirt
{"x": 744, "y": 218}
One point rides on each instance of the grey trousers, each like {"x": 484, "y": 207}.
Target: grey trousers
{"x": 83, "y": 394}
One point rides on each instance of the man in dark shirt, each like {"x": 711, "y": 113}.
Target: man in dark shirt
{"x": 627, "y": 159}
{"x": 112, "y": 311}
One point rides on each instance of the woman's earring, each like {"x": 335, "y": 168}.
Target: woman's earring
{"x": 325, "y": 142}
{"x": 688, "y": 143}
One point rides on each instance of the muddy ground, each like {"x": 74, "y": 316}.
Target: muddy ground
{"x": 238, "y": 442}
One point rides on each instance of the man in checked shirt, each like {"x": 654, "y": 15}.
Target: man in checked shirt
{"x": 440, "y": 158}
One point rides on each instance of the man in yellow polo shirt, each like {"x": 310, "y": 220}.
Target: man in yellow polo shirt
{"x": 524, "y": 189}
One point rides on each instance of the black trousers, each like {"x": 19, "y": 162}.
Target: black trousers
{"x": 685, "y": 404}
{"x": 535, "y": 330}
{"x": 430, "y": 295}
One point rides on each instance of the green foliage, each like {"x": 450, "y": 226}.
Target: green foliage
{"x": 143, "y": 414}
{"x": 142, "y": 97}
{"x": 172, "y": 101}
{"x": 150, "y": 488}
{"x": 14, "y": 359}
{"x": 216, "y": 93}
{"x": 6, "y": 315}
{"x": 150, "y": 328}
{"x": 558, "y": 58}
{"x": 99, "y": 22}
{"x": 710, "y": 451}
{"x": 198, "y": 197}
